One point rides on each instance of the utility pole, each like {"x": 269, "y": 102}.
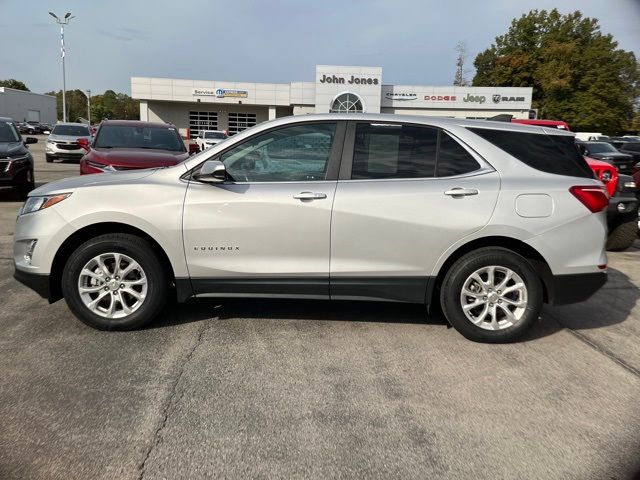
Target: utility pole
{"x": 89, "y": 106}
{"x": 62, "y": 22}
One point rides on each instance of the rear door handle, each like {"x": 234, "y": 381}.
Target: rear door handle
{"x": 310, "y": 196}
{"x": 461, "y": 192}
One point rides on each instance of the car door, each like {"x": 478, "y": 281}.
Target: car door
{"x": 405, "y": 194}
{"x": 266, "y": 231}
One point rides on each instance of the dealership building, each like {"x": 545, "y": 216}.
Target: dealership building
{"x": 23, "y": 106}
{"x": 234, "y": 106}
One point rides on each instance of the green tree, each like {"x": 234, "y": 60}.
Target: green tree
{"x": 577, "y": 73}
{"x": 110, "y": 105}
{"x": 13, "y": 83}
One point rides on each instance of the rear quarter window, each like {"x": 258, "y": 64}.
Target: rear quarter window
{"x": 555, "y": 154}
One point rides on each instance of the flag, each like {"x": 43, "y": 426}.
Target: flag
{"x": 62, "y": 42}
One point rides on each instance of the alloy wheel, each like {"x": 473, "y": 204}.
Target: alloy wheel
{"x": 112, "y": 285}
{"x": 494, "y": 298}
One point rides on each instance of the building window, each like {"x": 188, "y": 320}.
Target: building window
{"x": 240, "y": 121}
{"x": 202, "y": 121}
{"x": 347, "y": 103}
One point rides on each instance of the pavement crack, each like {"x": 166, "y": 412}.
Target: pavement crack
{"x": 598, "y": 348}
{"x": 607, "y": 353}
{"x": 172, "y": 402}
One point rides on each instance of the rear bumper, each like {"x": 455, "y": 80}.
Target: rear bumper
{"x": 575, "y": 288}
{"x": 35, "y": 281}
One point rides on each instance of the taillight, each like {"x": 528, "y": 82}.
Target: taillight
{"x": 592, "y": 197}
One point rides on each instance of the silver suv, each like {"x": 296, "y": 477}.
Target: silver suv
{"x": 487, "y": 219}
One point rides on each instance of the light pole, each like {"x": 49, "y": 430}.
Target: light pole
{"x": 89, "y": 106}
{"x": 62, "y": 22}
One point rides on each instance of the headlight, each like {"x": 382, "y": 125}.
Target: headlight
{"x": 33, "y": 204}
{"x": 50, "y": 142}
{"x": 101, "y": 166}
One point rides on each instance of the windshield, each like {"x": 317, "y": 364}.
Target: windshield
{"x": 71, "y": 130}
{"x": 600, "y": 148}
{"x": 8, "y": 133}
{"x": 131, "y": 136}
{"x": 215, "y": 135}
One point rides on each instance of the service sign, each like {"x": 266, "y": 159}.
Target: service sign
{"x": 220, "y": 93}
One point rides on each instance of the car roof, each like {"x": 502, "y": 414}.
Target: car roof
{"x": 442, "y": 122}
{"x": 137, "y": 123}
{"x": 6, "y": 119}
{"x": 71, "y": 123}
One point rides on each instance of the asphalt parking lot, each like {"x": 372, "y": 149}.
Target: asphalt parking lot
{"x": 292, "y": 389}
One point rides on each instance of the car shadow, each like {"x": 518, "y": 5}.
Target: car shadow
{"x": 609, "y": 306}
{"x": 285, "y": 309}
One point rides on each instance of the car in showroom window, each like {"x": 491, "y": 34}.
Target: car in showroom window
{"x": 469, "y": 215}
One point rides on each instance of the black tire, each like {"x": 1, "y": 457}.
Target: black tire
{"x": 48, "y": 158}
{"x": 622, "y": 233}
{"x": 139, "y": 250}
{"x": 460, "y": 271}
{"x": 23, "y": 190}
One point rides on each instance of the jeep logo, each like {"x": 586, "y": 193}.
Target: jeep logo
{"x": 475, "y": 98}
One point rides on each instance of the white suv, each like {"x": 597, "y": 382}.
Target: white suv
{"x": 208, "y": 138}
{"x": 488, "y": 219}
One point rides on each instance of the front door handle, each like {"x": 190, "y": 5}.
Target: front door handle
{"x": 310, "y": 196}
{"x": 461, "y": 192}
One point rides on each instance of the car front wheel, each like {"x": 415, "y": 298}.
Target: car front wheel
{"x": 115, "y": 282}
{"x": 491, "y": 295}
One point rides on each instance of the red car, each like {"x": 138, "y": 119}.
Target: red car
{"x": 132, "y": 144}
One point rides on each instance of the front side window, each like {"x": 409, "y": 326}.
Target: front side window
{"x": 71, "y": 130}
{"x": 394, "y": 151}
{"x": 130, "y": 136}
{"x": 298, "y": 153}
{"x": 8, "y": 133}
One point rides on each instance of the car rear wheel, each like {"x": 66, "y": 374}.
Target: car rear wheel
{"x": 115, "y": 282}
{"x": 491, "y": 295}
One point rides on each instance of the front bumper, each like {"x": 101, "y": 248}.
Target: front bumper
{"x": 14, "y": 172}
{"x": 575, "y": 288}
{"x": 65, "y": 153}
{"x": 35, "y": 281}
{"x": 621, "y": 205}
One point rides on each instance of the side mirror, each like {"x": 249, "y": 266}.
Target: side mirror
{"x": 30, "y": 140}
{"x": 84, "y": 143}
{"x": 193, "y": 148}
{"x": 212, "y": 171}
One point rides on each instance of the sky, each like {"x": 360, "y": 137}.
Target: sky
{"x": 279, "y": 41}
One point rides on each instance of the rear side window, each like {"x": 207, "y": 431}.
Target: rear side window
{"x": 394, "y": 151}
{"x": 555, "y": 154}
{"x": 453, "y": 159}
{"x": 634, "y": 147}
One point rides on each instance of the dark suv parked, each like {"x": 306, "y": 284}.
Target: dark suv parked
{"x": 16, "y": 163}
{"x": 608, "y": 153}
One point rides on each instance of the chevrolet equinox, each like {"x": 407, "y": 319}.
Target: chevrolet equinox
{"x": 488, "y": 219}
